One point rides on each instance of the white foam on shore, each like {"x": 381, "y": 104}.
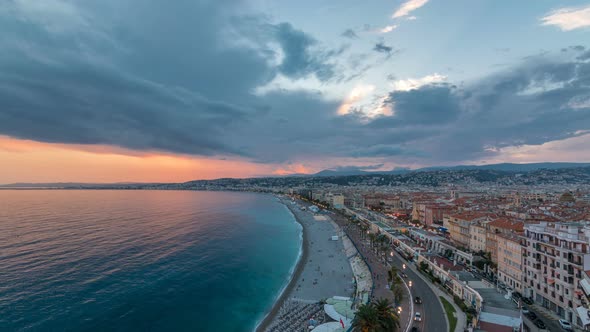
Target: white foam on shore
{"x": 291, "y": 272}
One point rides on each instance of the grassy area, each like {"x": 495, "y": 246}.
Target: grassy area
{"x": 450, "y": 310}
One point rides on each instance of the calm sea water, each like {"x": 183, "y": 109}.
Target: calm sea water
{"x": 141, "y": 260}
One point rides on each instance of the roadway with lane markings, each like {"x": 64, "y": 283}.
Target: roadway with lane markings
{"x": 433, "y": 314}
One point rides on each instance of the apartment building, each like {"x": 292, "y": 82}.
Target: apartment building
{"x": 434, "y": 213}
{"x": 336, "y": 201}
{"x": 477, "y": 241}
{"x": 557, "y": 255}
{"x": 510, "y": 260}
{"x": 458, "y": 226}
{"x": 500, "y": 226}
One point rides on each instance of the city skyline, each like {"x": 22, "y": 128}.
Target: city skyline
{"x": 109, "y": 91}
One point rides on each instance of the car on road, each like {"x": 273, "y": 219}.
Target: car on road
{"x": 540, "y": 324}
{"x": 532, "y": 315}
{"x": 418, "y": 300}
{"x": 418, "y": 317}
{"x": 414, "y": 329}
{"x": 404, "y": 275}
{"x": 565, "y": 325}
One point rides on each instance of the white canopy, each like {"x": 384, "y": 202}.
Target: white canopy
{"x": 329, "y": 327}
{"x": 331, "y": 311}
{"x": 583, "y": 314}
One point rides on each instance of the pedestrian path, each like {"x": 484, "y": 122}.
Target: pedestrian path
{"x": 378, "y": 269}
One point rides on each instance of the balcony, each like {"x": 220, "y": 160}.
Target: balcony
{"x": 572, "y": 261}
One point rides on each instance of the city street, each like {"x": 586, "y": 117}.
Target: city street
{"x": 433, "y": 315}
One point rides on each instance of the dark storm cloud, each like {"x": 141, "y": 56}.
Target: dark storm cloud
{"x": 432, "y": 104}
{"x": 299, "y": 61}
{"x": 301, "y": 54}
{"x": 181, "y": 77}
{"x": 382, "y": 48}
{"x": 97, "y": 106}
{"x": 176, "y": 88}
{"x": 584, "y": 56}
{"x": 385, "y": 150}
{"x": 529, "y": 104}
{"x": 349, "y": 33}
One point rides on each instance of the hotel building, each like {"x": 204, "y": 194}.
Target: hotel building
{"x": 556, "y": 257}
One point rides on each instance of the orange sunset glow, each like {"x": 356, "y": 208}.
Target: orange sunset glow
{"x": 24, "y": 160}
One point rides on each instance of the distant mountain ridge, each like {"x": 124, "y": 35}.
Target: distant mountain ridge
{"x": 505, "y": 167}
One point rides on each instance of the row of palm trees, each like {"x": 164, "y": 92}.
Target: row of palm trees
{"x": 377, "y": 316}
{"x": 380, "y": 315}
{"x": 396, "y": 285}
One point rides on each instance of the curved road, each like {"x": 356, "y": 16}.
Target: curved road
{"x": 433, "y": 314}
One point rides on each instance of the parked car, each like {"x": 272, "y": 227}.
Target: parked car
{"x": 565, "y": 325}
{"x": 525, "y": 310}
{"x": 418, "y": 300}
{"x": 532, "y": 315}
{"x": 540, "y": 324}
{"x": 418, "y": 317}
{"x": 527, "y": 300}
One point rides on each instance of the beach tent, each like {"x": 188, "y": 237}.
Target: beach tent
{"x": 339, "y": 307}
{"x": 329, "y": 327}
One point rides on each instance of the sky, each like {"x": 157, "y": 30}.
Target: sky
{"x": 147, "y": 91}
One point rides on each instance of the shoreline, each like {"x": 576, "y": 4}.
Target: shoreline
{"x": 299, "y": 266}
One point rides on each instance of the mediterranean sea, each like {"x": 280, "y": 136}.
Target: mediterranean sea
{"x": 76, "y": 260}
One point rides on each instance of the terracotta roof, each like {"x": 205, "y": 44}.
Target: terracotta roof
{"x": 468, "y": 215}
{"x": 503, "y": 223}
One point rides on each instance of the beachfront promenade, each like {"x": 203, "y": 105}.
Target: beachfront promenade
{"x": 330, "y": 268}
{"x": 379, "y": 269}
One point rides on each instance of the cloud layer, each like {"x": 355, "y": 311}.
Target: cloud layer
{"x": 183, "y": 79}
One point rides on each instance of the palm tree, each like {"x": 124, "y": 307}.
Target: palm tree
{"x": 366, "y": 319}
{"x": 388, "y": 318}
{"x": 398, "y": 293}
{"x": 392, "y": 274}
{"x": 372, "y": 237}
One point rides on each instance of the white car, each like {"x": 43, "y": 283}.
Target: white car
{"x": 565, "y": 325}
{"x": 418, "y": 317}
